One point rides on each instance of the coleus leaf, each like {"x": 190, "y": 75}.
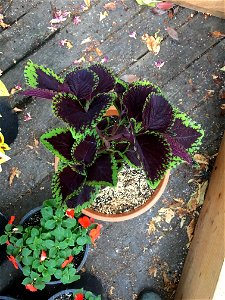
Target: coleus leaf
{"x": 135, "y": 98}
{"x": 186, "y": 132}
{"x": 104, "y": 171}
{"x": 67, "y": 182}
{"x": 68, "y": 108}
{"x": 85, "y": 147}
{"x": 41, "y": 77}
{"x": 131, "y": 157}
{"x": 82, "y": 82}
{"x": 155, "y": 155}
{"x": 60, "y": 142}
{"x": 157, "y": 113}
{"x": 85, "y": 197}
{"x": 106, "y": 79}
{"x": 41, "y": 93}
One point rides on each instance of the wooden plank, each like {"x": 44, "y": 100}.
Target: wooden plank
{"x": 214, "y": 7}
{"x": 206, "y": 255}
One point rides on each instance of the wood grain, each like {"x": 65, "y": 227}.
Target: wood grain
{"x": 214, "y": 7}
{"x": 205, "y": 258}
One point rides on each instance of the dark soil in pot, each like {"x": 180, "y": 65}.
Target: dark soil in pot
{"x": 32, "y": 218}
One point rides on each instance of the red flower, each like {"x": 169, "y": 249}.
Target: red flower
{"x": 43, "y": 255}
{"x": 67, "y": 261}
{"x": 85, "y": 221}
{"x": 70, "y": 213}
{"x": 11, "y": 220}
{"x": 79, "y": 297}
{"x": 13, "y": 261}
{"x": 7, "y": 242}
{"x": 95, "y": 233}
{"x": 31, "y": 288}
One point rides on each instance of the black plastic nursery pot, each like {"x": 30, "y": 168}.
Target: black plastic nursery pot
{"x": 32, "y": 218}
{"x": 3, "y": 222}
{"x": 64, "y": 295}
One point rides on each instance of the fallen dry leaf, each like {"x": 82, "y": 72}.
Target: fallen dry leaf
{"x": 129, "y": 78}
{"x": 2, "y": 23}
{"x": 87, "y": 3}
{"x": 16, "y": 109}
{"x": 222, "y": 109}
{"x": 111, "y": 291}
{"x": 172, "y": 33}
{"x": 190, "y": 230}
{"x": 169, "y": 285}
{"x": 103, "y": 15}
{"x": 167, "y": 214}
{"x": 98, "y": 51}
{"x": 182, "y": 220}
{"x": 152, "y": 42}
{"x": 87, "y": 40}
{"x": 165, "y": 5}
{"x": 217, "y": 34}
{"x": 197, "y": 198}
{"x": 201, "y": 159}
{"x": 151, "y": 227}
{"x": 14, "y": 172}
{"x": 110, "y": 6}
{"x": 152, "y": 271}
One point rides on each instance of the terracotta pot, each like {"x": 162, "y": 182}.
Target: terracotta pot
{"x": 112, "y": 111}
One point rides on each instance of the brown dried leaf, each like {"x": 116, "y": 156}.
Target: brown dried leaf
{"x": 167, "y": 213}
{"x": 103, "y": 15}
{"x": 110, "y": 6}
{"x": 151, "y": 227}
{"x": 152, "y": 42}
{"x": 190, "y": 230}
{"x": 111, "y": 291}
{"x": 98, "y": 51}
{"x": 201, "y": 159}
{"x": 217, "y": 34}
{"x": 129, "y": 78}
{"x": 14, "y": 172}
{"x": 222, "y": 107}
{"x": 152, "y": 271}
{"x": 87, "y": 3}
{"x": 197, "y": 198}
{"x": 169, "y": 285}
{"x": 16, "y": 109}
{"x": 172, "y": 33}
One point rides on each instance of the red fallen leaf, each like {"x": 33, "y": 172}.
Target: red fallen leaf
{"x": 43, "y": 255}
{"x": 165, "y": 5}
{"x": 11, "y": 220}
{"x": 70, "y": 213}
{"x": 79, "y": 297}
{"x": 84, "y": 221}
{"x": 95, "y": 233}
{"x": 31, "y": 288}
{"x": 172, "y": 33}
{"x": 67, "y": 261}
{"x": 13, "y": 261}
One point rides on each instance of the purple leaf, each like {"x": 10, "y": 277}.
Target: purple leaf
{"x": 134, "y": 100}
{"x": 155, "y": 155}
{"x": 67, "y": 182}
{"x": 59, "y": 141}
{"x": 178, "y": 149}
{"x": 184, "y": 135}
{"x": 106, "y": 79}
{"x": 85, "y": 195}
{"x": 157, "y": 114}
{"x": 85, "y": 151}
{"x": 131, "y": 154}
{"x": 46, "y": 81}
{"x": 82, "y": 82}
{"x": 102, "y": 171}
{"x": 46, "y": 94}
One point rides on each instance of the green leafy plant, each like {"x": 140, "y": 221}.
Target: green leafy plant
{"x": 81, "y": 294}
{"x": 49, "y": 250}
{"x": 148, "y": 132}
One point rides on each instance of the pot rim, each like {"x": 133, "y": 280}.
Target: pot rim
{"x": 62, "y": 292}
{"x": 87, "y": 247}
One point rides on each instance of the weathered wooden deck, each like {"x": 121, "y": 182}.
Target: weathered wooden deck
{"x": 190, "y": 77}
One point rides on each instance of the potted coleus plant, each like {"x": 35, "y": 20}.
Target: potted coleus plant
{"x": 75, "y": 294}
{"x": 54, "y": 249}
{"x": 147, "y": 132}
